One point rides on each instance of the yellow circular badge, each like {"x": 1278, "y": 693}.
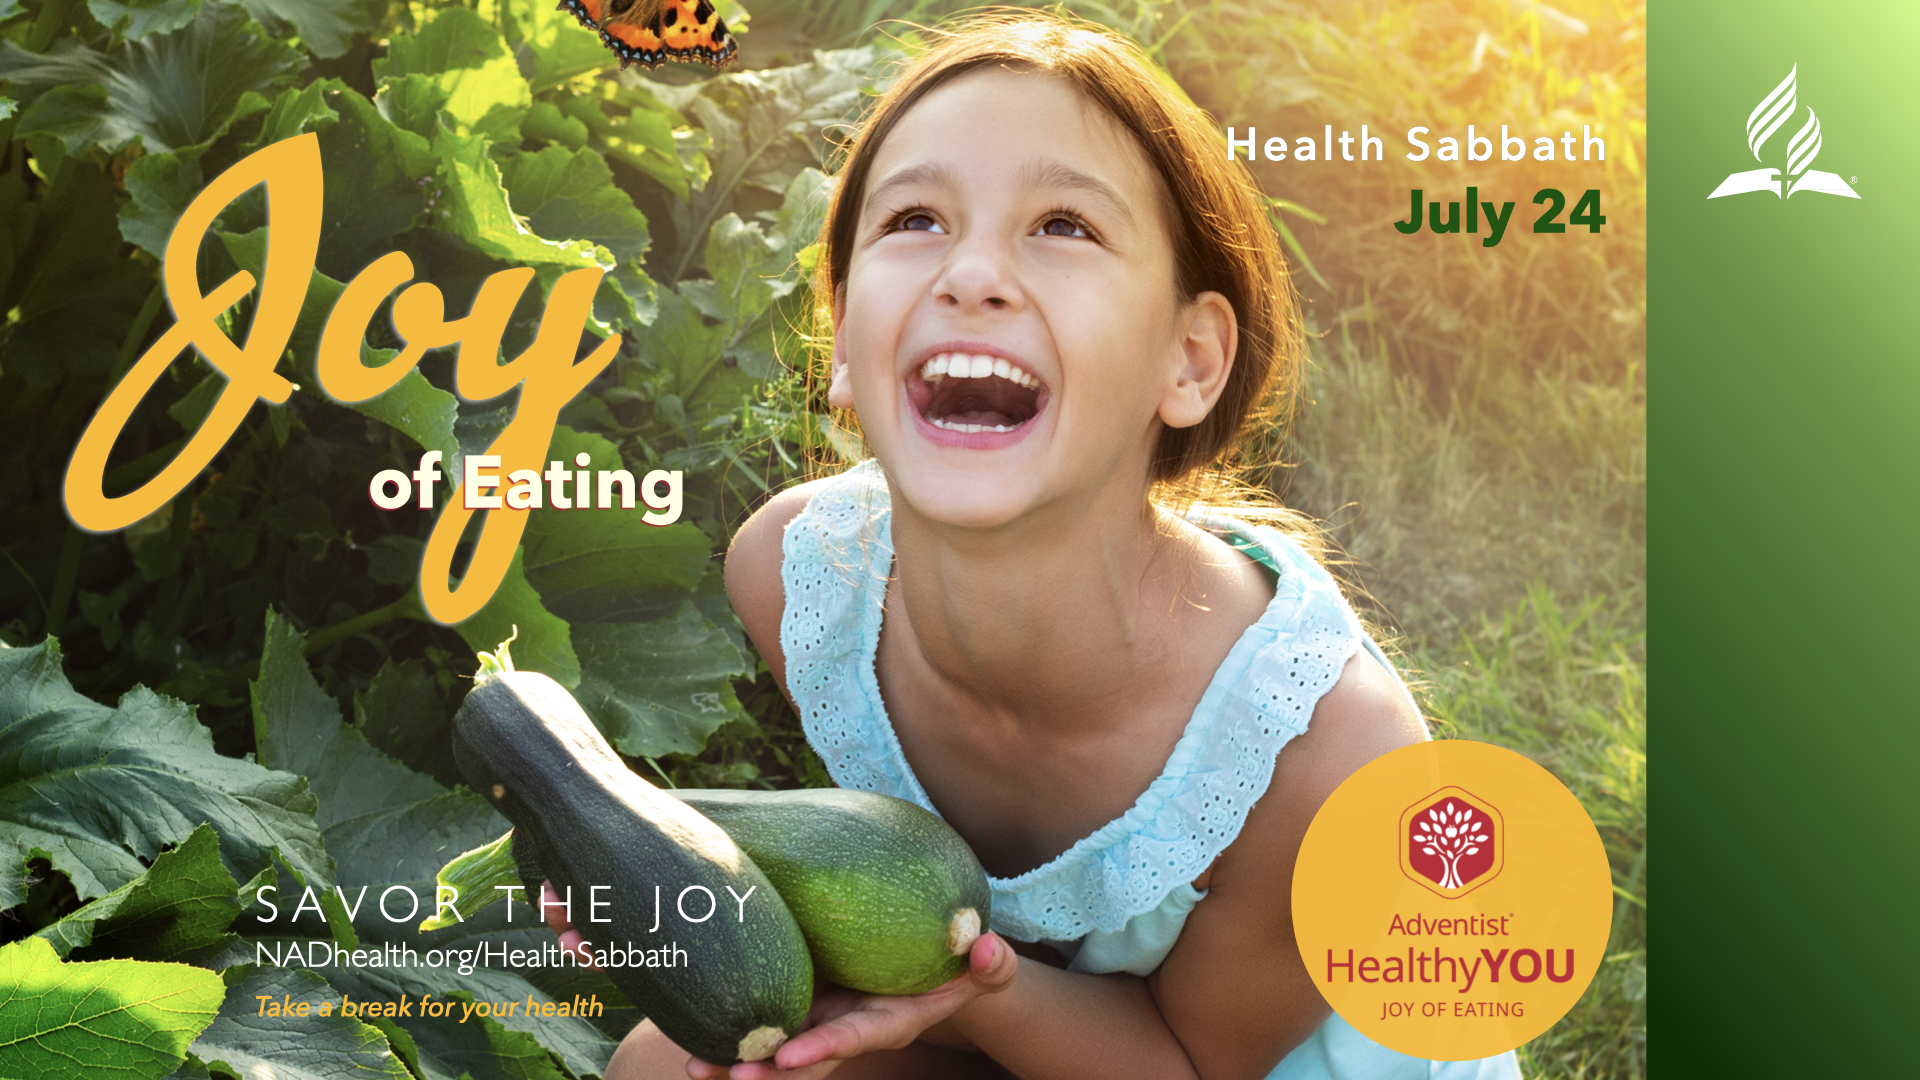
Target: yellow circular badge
{"x": 1452, "y": 900}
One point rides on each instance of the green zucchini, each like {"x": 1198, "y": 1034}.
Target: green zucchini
{"x": 583, "y": 819}
{"x": 889, "y": 896}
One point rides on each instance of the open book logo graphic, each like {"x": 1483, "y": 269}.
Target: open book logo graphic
{"x": 1452, "y": 841}
{"x": 1767, "y": 118}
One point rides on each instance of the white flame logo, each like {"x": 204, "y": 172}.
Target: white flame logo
{"x": 1763, "y": 122}
{"x": 1804, "y": 147}
{"x": 1771, "y": 113}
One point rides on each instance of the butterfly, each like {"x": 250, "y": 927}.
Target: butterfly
{"x": 651, "y": 32}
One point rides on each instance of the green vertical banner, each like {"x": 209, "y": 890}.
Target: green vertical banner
{"x": 1784, "y": 260}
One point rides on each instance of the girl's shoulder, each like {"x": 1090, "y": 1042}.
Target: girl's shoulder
{"x": 753, "y": 569}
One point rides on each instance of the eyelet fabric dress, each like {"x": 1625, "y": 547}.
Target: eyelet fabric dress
{"x": 1117, "y": 899}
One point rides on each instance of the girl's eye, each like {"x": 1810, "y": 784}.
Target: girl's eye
{"x": 1065, "y": 225}
{"x": 916, "y": 221}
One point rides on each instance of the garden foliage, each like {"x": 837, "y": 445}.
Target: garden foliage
{"x": 295, "y": 731}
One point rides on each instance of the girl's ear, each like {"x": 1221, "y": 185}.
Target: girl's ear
{"x": 1204, "y": 361}
{"x": 840, "y": 388}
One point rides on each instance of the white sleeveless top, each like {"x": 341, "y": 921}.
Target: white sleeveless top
{"x": 1117, "y": 899}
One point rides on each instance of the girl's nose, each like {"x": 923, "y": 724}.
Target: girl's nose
{"x": 979, "y": 276}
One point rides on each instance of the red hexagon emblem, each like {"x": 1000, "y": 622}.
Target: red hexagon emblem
{"x": 1452, "y": 842}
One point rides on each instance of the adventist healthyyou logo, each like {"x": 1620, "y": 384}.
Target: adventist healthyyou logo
{"x": 1452, "y": 842}
{"x": 1766, "y": 119}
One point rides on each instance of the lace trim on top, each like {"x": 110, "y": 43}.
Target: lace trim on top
{"x": 838, "y": 558}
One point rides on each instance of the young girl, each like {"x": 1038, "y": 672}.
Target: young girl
{"x": 1053, "y": 298}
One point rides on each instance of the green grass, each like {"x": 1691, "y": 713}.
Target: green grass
{"x": 1498, "y": 536}
{"x": 1567, "y": 687}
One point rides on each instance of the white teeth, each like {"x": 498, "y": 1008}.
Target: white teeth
{"x": 969, "y": 428}
{"x": 962, "y": 366}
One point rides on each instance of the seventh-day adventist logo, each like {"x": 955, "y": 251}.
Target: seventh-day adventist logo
{"x": 1766, "y": 119}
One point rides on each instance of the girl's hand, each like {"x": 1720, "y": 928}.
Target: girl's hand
{"x": 844, "y": 1024}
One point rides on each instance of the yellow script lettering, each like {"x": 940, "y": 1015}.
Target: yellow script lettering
{"x": 546, "y": 371}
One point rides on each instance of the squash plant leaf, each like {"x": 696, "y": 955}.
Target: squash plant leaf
{"x": 97, "y": 790}
{"x": 325, "y": 26}
{"x": 465, "y": 56}
{"x": 171, "y": 90}
{"x": 571, "y": 195}
{"x": 385, "y": 824}
{"x": 125, "y": 1018}
{"x": 297, "y": 727}
{"x": 181, "y": 905}
{"x": 476, "y": 210}
{"x": 660, "y": 687}
{"x": 609, "y": 556}
{"x": 560, "y": 48}
{"x": 287, "y": 1045}
{"x": 135, "y": 19}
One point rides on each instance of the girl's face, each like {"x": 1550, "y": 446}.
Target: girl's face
{"x": 1010, "y": 332}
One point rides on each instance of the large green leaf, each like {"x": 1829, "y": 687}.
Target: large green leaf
{"x": 464, "y": 55}
{"x": 644, "y": 138}
{"x": 169, "y": 90}
{"x": 401, "y": 711}
{"x": 162, "y": 184}
{"x": 385, "y": 823}
{"x": 544, "y": 643}
{"x": 97, "y": 789}
{"x": 568, "y": 195}
{"x": 744, "y": 265}
{"x": 378, "y": 181}
{"x": 561, "y": 49}
{"x": 135, "y": 19}
{"x": 611, "y": 552}
{"x": 244, "y": 1043}
{"x": 160, "y": 187}
{"x": 182, "y": 904}
{"x": 297, "y": 728}
{"x": 125, "y": 1018}
{"x": 413, "y": 102}
{"x": 660, "y": 687}
{"x": 680, "y": 342}
{"x": 476, "y": 210}
{"x": 325, "y": 26}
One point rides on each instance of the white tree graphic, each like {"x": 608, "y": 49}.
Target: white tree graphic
{"x": 1452, "y": 835}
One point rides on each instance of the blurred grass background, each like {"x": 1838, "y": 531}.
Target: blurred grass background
{"x": 1475, "y": 435}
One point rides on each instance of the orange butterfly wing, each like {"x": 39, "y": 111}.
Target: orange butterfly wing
{"x": 587, "y": 11}
{"x": 651, "y": 32}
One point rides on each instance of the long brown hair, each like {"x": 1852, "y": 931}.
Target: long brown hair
{"x": 1215, "y": 218}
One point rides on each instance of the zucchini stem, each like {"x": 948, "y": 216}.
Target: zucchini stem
{"x": 497, "y": 662}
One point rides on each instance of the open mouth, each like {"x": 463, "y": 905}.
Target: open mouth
{"x": 972, "y": 392}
